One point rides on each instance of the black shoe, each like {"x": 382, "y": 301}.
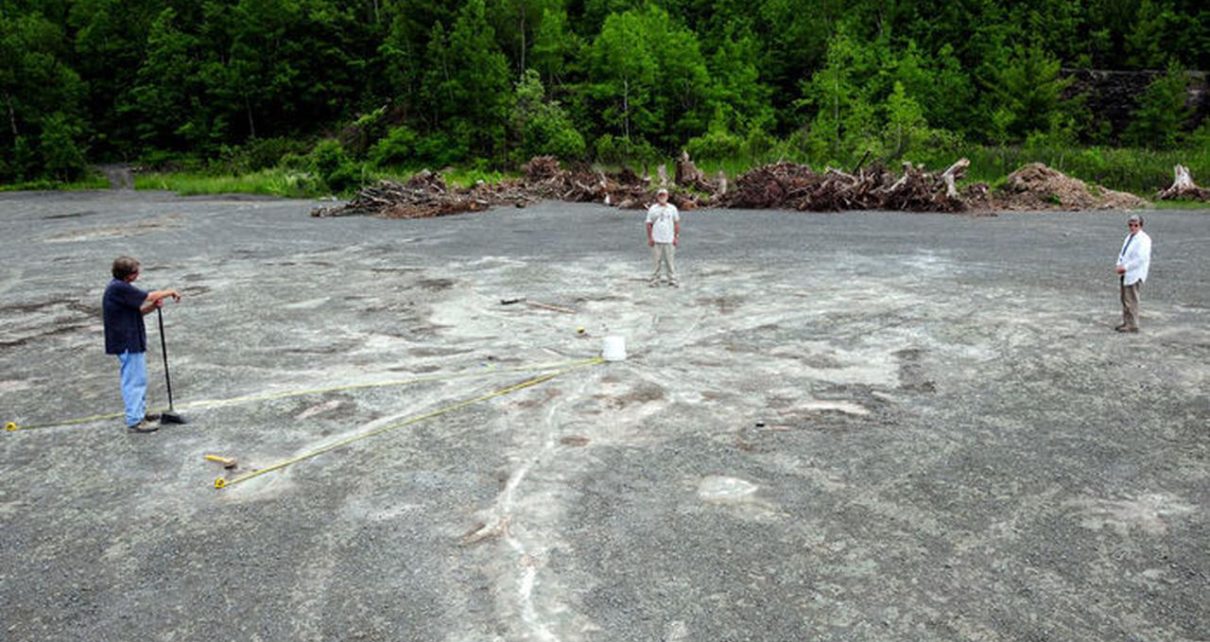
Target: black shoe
{"x": 143, "y": 427}
{"x": 1123, "y": 328}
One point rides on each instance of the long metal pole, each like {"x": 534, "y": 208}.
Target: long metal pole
{"x": 164, "y": 350}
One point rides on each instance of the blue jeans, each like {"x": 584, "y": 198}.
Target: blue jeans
{"x": 134, "y": 385}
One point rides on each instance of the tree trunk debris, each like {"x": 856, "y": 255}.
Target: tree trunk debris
{"x": 1183, "y": 187}
{"x": 775, "y": 186}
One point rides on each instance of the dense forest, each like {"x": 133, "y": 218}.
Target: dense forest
{"x": 406, "y": 83}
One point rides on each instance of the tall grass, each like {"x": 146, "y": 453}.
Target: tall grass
{"x": 86, "y": 183}
{"x": 268, "y": 182}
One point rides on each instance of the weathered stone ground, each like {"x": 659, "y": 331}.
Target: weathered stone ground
{"x": 866, "y": 426}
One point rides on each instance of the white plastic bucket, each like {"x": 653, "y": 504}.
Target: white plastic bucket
{"x": 614, "y": 349}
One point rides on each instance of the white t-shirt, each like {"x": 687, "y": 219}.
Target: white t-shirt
{"x": 663, "y": 219}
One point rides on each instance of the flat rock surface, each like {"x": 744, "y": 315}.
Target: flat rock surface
{"x": 860, "y": 426}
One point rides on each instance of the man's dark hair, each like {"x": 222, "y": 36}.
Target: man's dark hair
{"x": 124, "y": 266}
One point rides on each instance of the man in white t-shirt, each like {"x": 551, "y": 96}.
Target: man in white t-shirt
{"x": 663, "y": 235}
{"x": 1134, "y": 260}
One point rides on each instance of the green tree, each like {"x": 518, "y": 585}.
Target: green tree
{"x": 402, "y": 51}
{"x": 516, "y": 23}
{"x": 166, "y": 100}
{"x": 555, "y": 47}
{"x": 845, "y": 122}
{"x": 906, "y": 127}
{"x": 37, "y": 89}
{"x": 109, "y": 38}
{"x": 1024, "y": 92}
{"x": 1162, "y": 111}
{"x": 466, "y": 87}
{"x": 740, "y": 94}
{"x": 542, "y": 126}
{"x": 283, "y": 64}
{"x": 650, "y": 78}
{"x": 624, "y": 72}
{"x": 62, "y": 157}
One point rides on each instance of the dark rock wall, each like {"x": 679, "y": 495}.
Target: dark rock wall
{"x": 1113, "y": 95}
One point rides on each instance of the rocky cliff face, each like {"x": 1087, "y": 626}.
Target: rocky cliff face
{"x": 1113, "y": 95}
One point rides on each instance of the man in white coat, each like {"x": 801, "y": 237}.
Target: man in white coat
{"x": 1133, "y": 262}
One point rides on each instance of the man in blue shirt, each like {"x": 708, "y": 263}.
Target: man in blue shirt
{"x": 123, "y": 307}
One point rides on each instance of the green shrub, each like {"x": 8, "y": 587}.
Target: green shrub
{"x": 1161, "y": 113}
{"x": 542, "y": 125}
{"x": 717, "y": 143}
{"x": 263, "y": 153}
{"x": 440, "y": 149}
{"x": 398, "y": 147}
{"x": 614, "y": 150}
{"x": 359, "y": 137}
{"x": 62, "y": 157}
{"x": 334, "y": 167}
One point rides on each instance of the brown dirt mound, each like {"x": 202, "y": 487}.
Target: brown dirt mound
{"x": 1038, "y": 187}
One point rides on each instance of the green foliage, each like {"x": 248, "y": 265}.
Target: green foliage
{"x": 260, "y": 154}
{"x": 718, "y": 143}
{"x": 1162, "y": 111}
{"x": 439, "y": 149}
{"x": 541, "y": 125}
{"x": 466, "y": 88}
{"x": 651, "y": 80}
{"x": 270, "y": 182}
{"x": 1025, "y": 93}
{"x": 333, "y": 166}
{"x": 221, "y": 84}
{"x": 555, "y": 46}
{"x": 61, "y": 156}
{"x": 619, "y": 151}
{"x": 40, "y": 97}
{"x": 397, "y": 148}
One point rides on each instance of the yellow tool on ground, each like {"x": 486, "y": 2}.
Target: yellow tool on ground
{"x": 11, "y": 426}
{"x": 227, "y": 462}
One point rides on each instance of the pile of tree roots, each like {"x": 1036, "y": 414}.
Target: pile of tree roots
{"x": 775, "y": 186}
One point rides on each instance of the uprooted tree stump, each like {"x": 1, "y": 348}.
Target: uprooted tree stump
{"x": 1183, "y": 187}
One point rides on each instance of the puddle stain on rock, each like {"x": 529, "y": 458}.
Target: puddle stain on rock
{"x": 640, "y": 394}
{"x": 912, "y": 375}
{"x": 55, "y": 217}
{"x": 435, "y": 285}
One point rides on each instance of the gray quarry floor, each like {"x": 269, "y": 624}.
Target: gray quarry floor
{"x": 861, "y": 426}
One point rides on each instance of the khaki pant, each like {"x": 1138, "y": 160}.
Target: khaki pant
{"x": 1130, "y": 304}
{"x": 664, "y": 254}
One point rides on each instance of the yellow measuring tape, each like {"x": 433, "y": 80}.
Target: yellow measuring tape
{"x": 224, "y": 483}
{"x": 13, "y": 426}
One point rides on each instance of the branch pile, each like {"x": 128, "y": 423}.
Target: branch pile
{"x": 791, "y": 186}
{"x": 425, "y": 195}
{"x": 1183, "y": 187}
{"x": 776, "y": 186}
